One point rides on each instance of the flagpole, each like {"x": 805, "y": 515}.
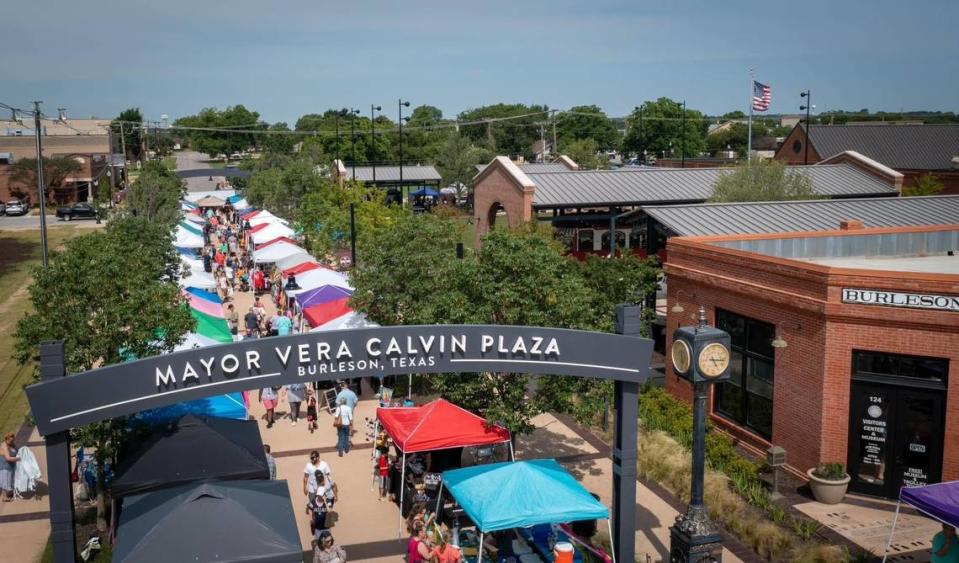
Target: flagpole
{"x": 749, "y": 134}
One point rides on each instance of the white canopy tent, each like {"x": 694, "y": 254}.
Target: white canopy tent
{"x": 266, "y": 217}
{"x": 315, "y": 278}
{"x": 241, "y": 204}
{"x": 194, "y": 218}
{"x": 193, "y": 340}
{"x": 185, "y": 239}
{"x": 293, "y": 260}
{"x": 198, "y": 279}
{"x": 276, "y": 251}
{"x": 349, "y": 320}
{"x": 270, "y": 232}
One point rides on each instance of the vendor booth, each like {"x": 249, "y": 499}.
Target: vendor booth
{"x": 276, "y": 252}
{"x": 939, "y": 501}
{"x": 521, "y": 495}
{"x": 349, "y": 320}
{"x": 227, "y": 522}
{"x": 437, "y": 425}
{"x": 266, "y": 231}
{"x": 192, "y": 448}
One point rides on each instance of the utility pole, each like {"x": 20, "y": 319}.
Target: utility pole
{"x": 684, "y": 135}
{"x": 542, "y": 140}
{"x": 373, "y": 137}
{"x": 112, "y": 170}
{"x": 553, "y": 119}
{"x": 353, "y": 114}
{"x": 156, "y": 138}
{"x": 337, "y": 121}
{"x": 41, "y": 190}
{"x": 400, "y": 105}
{"x": 123, "y": 142}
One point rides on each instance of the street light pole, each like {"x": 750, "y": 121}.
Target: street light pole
{"x": 337, "y": 121}
{"x": 41, "y": 190}
{"x": 353, "y": 114}
{"x": 684, "y": 135}
{"x": 400, "y": 106}
{"x": 373, "y": 137}
{"x": 807, "y": 106}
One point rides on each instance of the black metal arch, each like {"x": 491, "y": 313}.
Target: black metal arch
{"x": 59, "y": 403}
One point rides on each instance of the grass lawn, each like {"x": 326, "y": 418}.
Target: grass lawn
{"x": 170, "y": 163}
{"x": 19, "y": 252}
{"x": 216, "y": 164}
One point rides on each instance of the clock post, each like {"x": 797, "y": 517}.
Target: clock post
{"x": 700, "y": 354}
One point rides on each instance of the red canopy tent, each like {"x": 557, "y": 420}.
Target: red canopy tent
{"x": 256, "y": 228}
{"x": 302, "y": 267}
{"x": 325, "y": 312}
{"x": 250, "y": 214}
{"x": 437, "y": 425}
{"x": 276, "y": 240}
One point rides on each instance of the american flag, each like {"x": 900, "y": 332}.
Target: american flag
{"x": 762, "y": 96}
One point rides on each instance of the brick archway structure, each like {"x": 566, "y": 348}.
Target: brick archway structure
{"x": 501, "y": 185}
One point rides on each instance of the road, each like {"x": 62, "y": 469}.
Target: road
{"x": 192, "y": 160}
{"x": 33, "y": 222}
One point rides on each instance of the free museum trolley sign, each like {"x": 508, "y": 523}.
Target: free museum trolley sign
{"x": 123, "y": 389}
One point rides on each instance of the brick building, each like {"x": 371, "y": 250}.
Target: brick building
{"x": 87, "y": 141}
{"x": 913, "y": 149}
{"x": 845, "y": 345}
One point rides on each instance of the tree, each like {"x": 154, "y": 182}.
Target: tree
{"x": 513, "y": 137}
{"x": 927, "y": 184}
{"x": 457, "y": 159}
{"x": 155, "y": 195}
{"x": 283, "y": 188}
{"x": 586, "y": 153}
{"x": 279, "y": 142}
{"x": 56, "y": 169}
{"x": 661, "y": 133}
{"x": 762, "y": 181}
{"x": 235, "y": 122}
{"x": 101, "y": 295}
{"x": 131, "y": 118}
{"x": 581, "y": 123}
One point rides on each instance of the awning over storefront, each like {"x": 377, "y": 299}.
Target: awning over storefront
{"x": 438, "y": 425}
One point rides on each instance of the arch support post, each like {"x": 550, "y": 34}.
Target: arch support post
{"x": 62, "y": 535}
{"x": 626, "y": 402}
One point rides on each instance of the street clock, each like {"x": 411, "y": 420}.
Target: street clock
{"x": 701, "y": 353}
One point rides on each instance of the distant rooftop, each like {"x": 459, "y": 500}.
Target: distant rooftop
{"x": 411, "y": 173}
{"x": 72, "y": 127}
{"x": 929, "y": 264}
{"x": 798, "y": 216}
{"x": 900, "y": 146}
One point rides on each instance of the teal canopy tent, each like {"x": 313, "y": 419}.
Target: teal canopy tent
{"x": 500, "y": 496}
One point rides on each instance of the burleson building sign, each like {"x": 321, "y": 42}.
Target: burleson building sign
{"x": 127, "y": 388}
{"x": 898, "y": 299}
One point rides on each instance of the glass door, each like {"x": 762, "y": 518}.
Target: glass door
{"x": 919, "y": 437}
{"x": 870, "y": 444}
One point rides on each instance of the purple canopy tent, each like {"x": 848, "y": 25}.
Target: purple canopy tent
{"x": 939, "y": 501}
{"x": 322, "y": 294}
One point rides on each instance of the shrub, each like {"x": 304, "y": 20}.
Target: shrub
{"x": 830, "y": 471}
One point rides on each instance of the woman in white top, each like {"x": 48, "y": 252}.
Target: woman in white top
{"x": 342, "y": 419}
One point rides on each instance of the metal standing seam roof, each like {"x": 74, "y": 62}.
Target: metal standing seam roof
{"x": 912, "y": 146}
{"x": 392, "y": 173}
{"x": 674, "y": 185}
{"x": 532, "y": 167}
{"x": 800, "y": 216}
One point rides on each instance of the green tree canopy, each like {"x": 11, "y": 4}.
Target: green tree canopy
{"x": 763, "y": 181}
{"x": 457, "y": 159}
{"x": 927, "y": 184}
{"x": 225, "y": 141}
{"x": 56, "y": 169}
{"x": 131, "y": 119}
{"x": 513, "y": 137}
{"x": 587, "y": 154}
{"x": 660, "y": 130}
{"x": 282, "y": 188}
{"x": 155, "y": 195}
{"x": 582, "y": 123}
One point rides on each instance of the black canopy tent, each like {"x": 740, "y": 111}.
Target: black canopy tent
{"x": 223, "y": 521}
{"x": 192, "y": 448}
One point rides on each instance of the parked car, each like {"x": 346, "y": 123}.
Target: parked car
{"x": 78, "y": 211}
{"x": 16, "y": 207}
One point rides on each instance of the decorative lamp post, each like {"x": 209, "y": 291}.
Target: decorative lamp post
{"x": 700, "y": 355}
{"x": 373, "y": 137}
{"x": 400, "y": 105}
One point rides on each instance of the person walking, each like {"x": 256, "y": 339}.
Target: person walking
{"x": 233, "y": 320}
{"x": 326, "y": 550}
{"x": 347, "y": 394}
{"x": 268, "y": 397}
{"x": 309, "y": 477}
{"x": 294, "y": 396}
{"x": 270, "y": 461}
{"x": 310, "y": 410}
{"x": 252, "y": 323}
{"x": 342, "y": 420}
{"x": 284, "y": 325}
{"x": 8, "y": 462}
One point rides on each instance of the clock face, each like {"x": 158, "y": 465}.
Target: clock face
{"x": 713, "y": 360}
{"x": 681, "y": 356}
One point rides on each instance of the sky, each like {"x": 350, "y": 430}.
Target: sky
{"x": 284, "y": 58}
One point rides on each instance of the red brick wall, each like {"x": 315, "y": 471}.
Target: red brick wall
{"x": 813, "y": 373}
{"x": 789, "y": 156}
{"x": 496, "y": 185}
{"x": 949, "y": 180}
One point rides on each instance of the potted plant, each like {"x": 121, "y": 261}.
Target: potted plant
{"x": 828, "y": 482}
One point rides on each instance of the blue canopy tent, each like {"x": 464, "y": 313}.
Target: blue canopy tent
{"x": 425, "y": 192}
{"x": 501, "y": 496}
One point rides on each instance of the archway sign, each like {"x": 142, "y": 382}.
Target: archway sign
{"x": 59, "y": 403}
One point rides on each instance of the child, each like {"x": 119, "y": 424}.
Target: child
{"x": 310, "y": 410}
{"x": 383, "y": 466}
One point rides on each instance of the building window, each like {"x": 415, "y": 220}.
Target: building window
{"x": 584, "y": 240}
{"x": 747, "y": 398}
{"x": 880, "y": 365}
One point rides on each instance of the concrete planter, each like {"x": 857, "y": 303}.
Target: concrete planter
{"x": 827, "y": 491}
